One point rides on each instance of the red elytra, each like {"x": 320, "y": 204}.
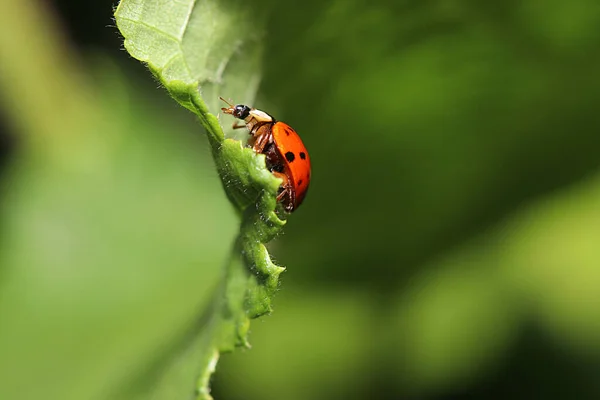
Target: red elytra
{"x": 286, "y": 155}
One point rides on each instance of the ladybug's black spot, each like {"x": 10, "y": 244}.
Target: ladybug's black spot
{"x": 303, "y": 155}
{"x": 287, "y": 132}
{"x": 300, "y": 182}
{"x": 290, "y": 156}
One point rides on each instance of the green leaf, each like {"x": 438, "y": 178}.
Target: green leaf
{"x": 193, "y": 46}
{"x": 113, "y": 230}
{"x": 200, "y": 51}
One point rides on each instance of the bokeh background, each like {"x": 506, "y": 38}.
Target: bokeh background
{"x": 449, "y": 246}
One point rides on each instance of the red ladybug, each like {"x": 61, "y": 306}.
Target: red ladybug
{"x": 286, "y": 156}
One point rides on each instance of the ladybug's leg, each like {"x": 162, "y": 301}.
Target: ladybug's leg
{"x": 285, "y": 194}
{"x": 262, "y": 139}
{"x": 284, "y": 185}
{"x": 238, "y": 126}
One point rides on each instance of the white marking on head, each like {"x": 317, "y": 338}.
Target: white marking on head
{"x": 261, "y": 116}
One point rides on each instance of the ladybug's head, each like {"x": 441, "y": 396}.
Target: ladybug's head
{"x": 241, "y": 111}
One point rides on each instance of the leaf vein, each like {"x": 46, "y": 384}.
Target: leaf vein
{"x": 152, "y": 28}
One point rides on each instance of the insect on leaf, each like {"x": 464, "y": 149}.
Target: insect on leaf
{"x": 200, "y": 50}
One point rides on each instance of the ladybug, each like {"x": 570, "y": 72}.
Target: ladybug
{"x": 286, "y": 155}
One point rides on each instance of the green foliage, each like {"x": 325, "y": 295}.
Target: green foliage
{"x": 76, "y": 233}
{"x": 447, "y": 248}
{"x": 189, "y": 47}
{"x": 90, "y": 285}
{"x": 438, "y": 131}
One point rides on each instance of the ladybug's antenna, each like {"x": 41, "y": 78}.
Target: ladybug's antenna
{"x": 228, "y": 103}
{"x": 227, "y": 110}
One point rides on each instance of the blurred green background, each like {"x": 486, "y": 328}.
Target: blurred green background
{"x": 449, "y": 246}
